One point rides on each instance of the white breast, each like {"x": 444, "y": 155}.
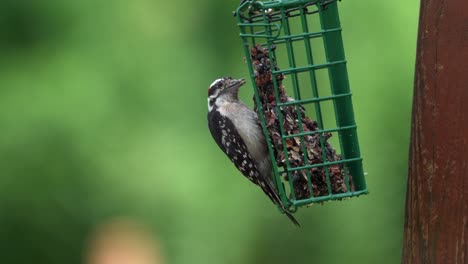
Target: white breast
{"x": 246, "y": 122}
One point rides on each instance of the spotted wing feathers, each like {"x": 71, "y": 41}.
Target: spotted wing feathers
{"x": 232, "y": 144}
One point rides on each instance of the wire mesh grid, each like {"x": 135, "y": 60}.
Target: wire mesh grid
{"x": 304, "y": 37}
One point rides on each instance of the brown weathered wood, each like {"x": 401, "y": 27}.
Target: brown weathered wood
{"x": 436, "y": 228}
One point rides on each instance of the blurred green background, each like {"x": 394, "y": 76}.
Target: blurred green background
{"x": 103, "y": 115}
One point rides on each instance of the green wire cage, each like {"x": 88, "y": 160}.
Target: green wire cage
{"x": 318, "y": 159}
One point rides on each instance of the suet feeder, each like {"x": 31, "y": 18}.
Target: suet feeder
{"x": 296, "y": 46}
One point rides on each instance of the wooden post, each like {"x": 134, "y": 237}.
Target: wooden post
{"x": 436, "y": 225}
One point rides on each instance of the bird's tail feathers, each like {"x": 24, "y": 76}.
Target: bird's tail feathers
{"x": 271, "y": 192}
{"x": 291, "y": 217}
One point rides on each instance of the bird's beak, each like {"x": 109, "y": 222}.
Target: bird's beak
{"x": 236, "y": 83}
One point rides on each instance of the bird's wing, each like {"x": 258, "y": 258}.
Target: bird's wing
{"x": 231, "y": 143}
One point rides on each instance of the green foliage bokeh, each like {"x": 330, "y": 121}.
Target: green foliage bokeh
{"x": 103, "y": 114}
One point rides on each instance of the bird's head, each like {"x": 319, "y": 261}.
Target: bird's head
{"x": 225, "y": 88}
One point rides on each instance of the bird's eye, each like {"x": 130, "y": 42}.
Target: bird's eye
{"x": 220, "y": 84}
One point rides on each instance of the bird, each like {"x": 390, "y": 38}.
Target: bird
{"x": 237, "y": 131}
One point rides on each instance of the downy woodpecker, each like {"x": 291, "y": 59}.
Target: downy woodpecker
{"x": 237, "y": 131}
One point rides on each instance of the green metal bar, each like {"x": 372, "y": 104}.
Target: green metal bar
{"x": 282, "y": 39}
{"x": 301, "y": 36}
{"x": 261, "y": 116}
{"x": 321, "y": 131}
{"x": 315, "y": 99}
{"x": 297, "y": 95}
{"x": 280, "y": 119}
{"x": 260, "y": 32}
{"x": 267, "y": 36}
{"x": 324, "y": 164}
{"x": 313, "y": 82}
{"x": 339, "y": 83}
{"x": 253, "y": 37}
{"x": 336, "y": 196}
{"x": 344, "y": 169}
{"x": 309, "y": 67}
{"x": 284, "y": 3}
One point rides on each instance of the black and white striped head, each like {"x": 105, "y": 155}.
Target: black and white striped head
{"x": 223, "y": 89}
